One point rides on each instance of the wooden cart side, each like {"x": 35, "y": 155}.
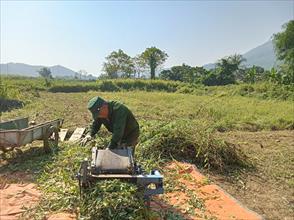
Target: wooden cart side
{"x": 18, "y": 123}
{"x": 9, "y": 140}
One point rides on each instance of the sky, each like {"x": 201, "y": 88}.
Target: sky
{"x": 80, "y": 34}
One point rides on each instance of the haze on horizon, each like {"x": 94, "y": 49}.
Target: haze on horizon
{"x": 80, "y": 34}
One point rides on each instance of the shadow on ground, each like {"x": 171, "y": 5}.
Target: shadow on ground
{"x": 9, "y": 104}
{"x": 25, "y": 163}
{"x": 166, "y": 211}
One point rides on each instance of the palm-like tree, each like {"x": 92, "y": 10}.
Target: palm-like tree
{"x": 229, "y": 68}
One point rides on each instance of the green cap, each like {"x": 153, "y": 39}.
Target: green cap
{"x": 94, "y": 104}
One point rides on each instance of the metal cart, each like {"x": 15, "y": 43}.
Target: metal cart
{"x": 17, "y": 132}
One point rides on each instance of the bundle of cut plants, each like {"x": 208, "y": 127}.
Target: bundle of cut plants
{"x": 190, "y": 141}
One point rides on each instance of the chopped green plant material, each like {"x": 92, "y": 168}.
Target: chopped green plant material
{"x": 186, "y": 141}
{"x": 113, "y": 199}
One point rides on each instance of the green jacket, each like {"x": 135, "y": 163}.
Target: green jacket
{"x": 121, "y": 122}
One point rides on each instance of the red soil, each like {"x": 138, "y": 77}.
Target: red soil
{"x": 216, "y": 202}
{"x": 14, "y": 198}
{"x": 62, "y": 216}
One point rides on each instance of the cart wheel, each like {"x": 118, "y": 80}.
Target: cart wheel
{"x": 3, "y": 155}
{"x": 19, "y": 151}
{"x": 6, "y": 150}
{"x": 50, "y": 138}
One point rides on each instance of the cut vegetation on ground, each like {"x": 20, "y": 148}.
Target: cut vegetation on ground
{"x": 243, "y": 142}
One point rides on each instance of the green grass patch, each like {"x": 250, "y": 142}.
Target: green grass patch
{"x": 31, "y": 86}
{"x": 221, "y": 112}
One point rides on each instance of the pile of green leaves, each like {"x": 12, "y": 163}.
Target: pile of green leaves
{"x": 113, "y": 200}
{"x": 103, "y": 200}
{"x": 190, "y": 141}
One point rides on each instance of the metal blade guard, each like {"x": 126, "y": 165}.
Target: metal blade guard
{"x": 119, "y": 164}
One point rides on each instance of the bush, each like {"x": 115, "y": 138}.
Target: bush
{"x": 3, "y": 91}
{"x": 267, "y": 91}
{"x": 9, "y": 104}
{"x": 246, "y": 90}
{"x": 73, "y": 88}
{"x": 146, "y": 85}
{"x": 31, "y": 86}
{"x": 108, "y": 86}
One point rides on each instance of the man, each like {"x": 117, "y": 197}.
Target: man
{"x": 117, "y": 118}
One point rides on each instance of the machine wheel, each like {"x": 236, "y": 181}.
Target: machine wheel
{"x": 84, "y": 173}
{"x": 83, "y": 176}
{"x": 50, "y": 138}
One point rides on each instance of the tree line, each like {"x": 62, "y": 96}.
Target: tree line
{"x": 119, "y": 64}
{"x": 228, "y": 70}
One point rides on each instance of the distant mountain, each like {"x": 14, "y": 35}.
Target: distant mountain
{"x": 19, "y": 69}
{"x": 57, "y": 71}
{"x": 263, "y": 55}
{"x": 209, "y": 66}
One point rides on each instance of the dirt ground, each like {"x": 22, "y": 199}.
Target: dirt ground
{"x": 199, "y": 198}
{"x": 269, "y": 188}
{"x": 16, "y": 198}
{"x": 18, "y": 193}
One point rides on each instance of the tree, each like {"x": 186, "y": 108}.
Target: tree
{"x": 253, "y": 74}
{"x": 175, "y": 73}
{"x": 46, "y": 74}
{"x": 274, "y": 76}
{"x": 138, "y": 66}
{"x": 227, "y": 71}
{"x": 228, "y": 68}
{"x": 211, "y": 79}
{"x": 117, "y": 63}
{"x": 237, "y": 60}
{"x": 184, "y": 73}
{"x": 152, "y": 58}
{"x": 284, "y": 47}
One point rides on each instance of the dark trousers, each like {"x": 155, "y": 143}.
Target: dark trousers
{"x": 131, "y": 140}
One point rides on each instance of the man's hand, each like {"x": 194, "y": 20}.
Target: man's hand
{"x": 111, "y": 146}
{"x": 85, "y": 140}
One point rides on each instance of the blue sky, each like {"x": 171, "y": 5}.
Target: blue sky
{"x": 80, "y": 34}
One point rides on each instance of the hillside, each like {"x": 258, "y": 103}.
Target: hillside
{"x": 22, "y": 69}
{"x": 263, "y": 55}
